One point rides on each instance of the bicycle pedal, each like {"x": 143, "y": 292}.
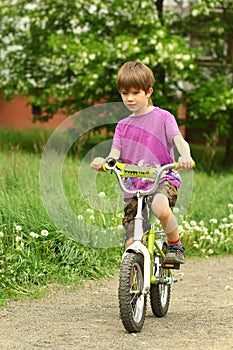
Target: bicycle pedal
{"x": 174, "y": 266}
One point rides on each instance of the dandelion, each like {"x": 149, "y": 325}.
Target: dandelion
{"x": 102, "y": 194}
{"x": 209, "y": 238}
{"x": 34, "y": 234}
{"x": 1, "y": 234}
{"x": 80, "y": 217}
{"x": 176, "y": 210}
{"x": 89, "y": 210}
{"x": 231, "y": 216}
{"x": 18, "y": 238}
{"x": 120, "y": 227}
{"x": 213, "y": 221}
{"x": 230, "y": 205}
{"x": 193, "y": 223}
{"x": 44, "y": 233}
{"x": 224, "y": 220}
{"x": 210, "y": 251}
{"x": 92, "y": 218}
{"x": 18, "y": 228}
{"x": 217, "y": 232}
{"x": 120, "y": 216}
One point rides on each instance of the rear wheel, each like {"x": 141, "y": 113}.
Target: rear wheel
{"x": 132, "y": 302}
{"x": 160, "y": 294}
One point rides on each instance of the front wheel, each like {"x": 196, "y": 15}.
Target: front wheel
{"x": 132, "y": 302}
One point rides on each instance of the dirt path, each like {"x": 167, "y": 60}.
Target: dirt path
{"x": 200, "y": 316}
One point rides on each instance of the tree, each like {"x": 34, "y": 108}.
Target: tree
{"x": 210, "y": 98}
{"x": 65, "y": 55}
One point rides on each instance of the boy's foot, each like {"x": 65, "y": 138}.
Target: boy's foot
{"x": 174, "y": 255}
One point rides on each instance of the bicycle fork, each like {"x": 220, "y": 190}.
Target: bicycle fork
{"x": 138, "y": 247}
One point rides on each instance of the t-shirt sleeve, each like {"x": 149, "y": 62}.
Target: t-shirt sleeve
{"x": 171, "y": 126}
{"x": 116, "y": 143}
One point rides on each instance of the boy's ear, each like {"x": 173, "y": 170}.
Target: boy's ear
{"x": 149, "y": 92}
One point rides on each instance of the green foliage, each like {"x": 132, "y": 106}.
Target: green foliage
{"x": 66, "y": 56}
{"x": 210, "y": 98}
{"x": 72, "y": 51}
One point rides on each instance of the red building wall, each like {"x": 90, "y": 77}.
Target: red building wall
{"x": 18, "y": 115}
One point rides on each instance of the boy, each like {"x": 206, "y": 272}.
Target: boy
{"x": 147, "y": 137}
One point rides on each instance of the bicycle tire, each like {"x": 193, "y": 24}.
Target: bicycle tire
{"x": 132, "y": 302}
{"x": 160, "y": 294}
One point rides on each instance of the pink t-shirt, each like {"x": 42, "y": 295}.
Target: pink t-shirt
{"x": 148, "y": 140}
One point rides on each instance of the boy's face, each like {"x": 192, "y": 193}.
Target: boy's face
{"x": 136, "y": 100}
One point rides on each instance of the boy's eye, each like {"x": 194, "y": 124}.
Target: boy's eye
{"x": 133, "y": 92}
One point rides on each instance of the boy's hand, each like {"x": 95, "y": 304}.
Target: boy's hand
{"x": 97, "y": 164}
{"x": 186, "y": 162}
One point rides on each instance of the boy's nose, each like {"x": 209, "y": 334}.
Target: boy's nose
{"x": 130, "y": 97}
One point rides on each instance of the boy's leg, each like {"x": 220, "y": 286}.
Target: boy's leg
{"x": 130, "y": 211}
{"x": 164, "y": 198}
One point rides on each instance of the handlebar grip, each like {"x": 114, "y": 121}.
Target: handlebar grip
{"x": 104, "y": 169}
{"x": 177, "y": 165}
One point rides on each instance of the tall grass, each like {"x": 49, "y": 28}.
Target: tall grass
{"x": 34, "y": 253}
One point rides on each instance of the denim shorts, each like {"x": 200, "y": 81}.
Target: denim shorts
{"x": 130, "y": 208}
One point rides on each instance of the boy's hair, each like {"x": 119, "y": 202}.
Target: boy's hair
{"x": 135, "y": 75}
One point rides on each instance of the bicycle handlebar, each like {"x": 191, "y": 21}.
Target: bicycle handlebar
{"x": 123, "y": 170}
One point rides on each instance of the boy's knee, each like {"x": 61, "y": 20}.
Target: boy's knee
{"x": 160, "y": 206}
{"x": 129, "y": 242}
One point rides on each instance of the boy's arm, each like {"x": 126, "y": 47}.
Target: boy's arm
{"x": 98, "y": 162}
{"x": 183, "y": 148}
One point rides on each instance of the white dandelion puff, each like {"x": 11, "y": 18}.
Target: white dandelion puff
{"x": 44, "y": 233}
{"x": 102, "y": 194}
{"x": 34, "y": 234}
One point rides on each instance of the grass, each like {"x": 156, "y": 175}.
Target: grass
{"x": 34, "y": 252}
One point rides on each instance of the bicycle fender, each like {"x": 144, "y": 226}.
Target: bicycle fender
{"x": 137, "y": 247}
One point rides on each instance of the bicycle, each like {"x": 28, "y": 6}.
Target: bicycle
{"x": 142, "y": 270}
